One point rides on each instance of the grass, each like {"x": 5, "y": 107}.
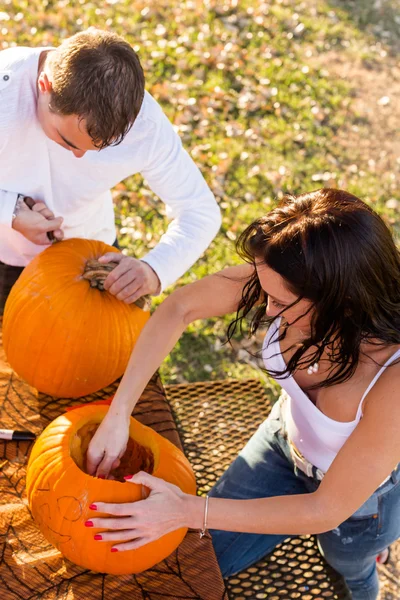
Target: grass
{"x": 242, "y": 82}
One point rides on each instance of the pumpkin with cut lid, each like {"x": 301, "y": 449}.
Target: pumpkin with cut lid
{"x": 62, "y": 332}
{"x": 59, "y": 491}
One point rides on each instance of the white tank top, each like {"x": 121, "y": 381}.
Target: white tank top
{"x": 317, "y": 437}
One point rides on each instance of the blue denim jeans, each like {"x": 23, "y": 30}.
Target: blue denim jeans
{"x": 264, "y": 468}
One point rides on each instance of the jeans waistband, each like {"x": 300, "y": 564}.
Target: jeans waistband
{"x": 298, "y": 459}
{"x": 304, "y": 465}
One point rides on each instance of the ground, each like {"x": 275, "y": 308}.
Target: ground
{"x": 269, "y": 97}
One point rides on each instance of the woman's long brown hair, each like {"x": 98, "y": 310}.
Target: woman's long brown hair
{"x": 333, "y": 249}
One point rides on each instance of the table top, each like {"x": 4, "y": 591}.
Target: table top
{"x": 31, "y": 568}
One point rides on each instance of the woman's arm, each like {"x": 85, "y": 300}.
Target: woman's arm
{"x": 363, "y": 463}
{"x": 366, "y": 459}
{"x": 215, "y": 295}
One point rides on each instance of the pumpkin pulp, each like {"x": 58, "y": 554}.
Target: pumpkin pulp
{"x": 136, "y": 457}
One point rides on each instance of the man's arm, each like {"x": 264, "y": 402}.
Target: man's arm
{"x": 33, "y": 223}
{"x": 196, "y": 218}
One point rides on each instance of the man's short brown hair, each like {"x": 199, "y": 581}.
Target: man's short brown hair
{"x": 97, "y": 75}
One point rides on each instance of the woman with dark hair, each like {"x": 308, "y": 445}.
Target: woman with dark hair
{"x": 323, "y": 271}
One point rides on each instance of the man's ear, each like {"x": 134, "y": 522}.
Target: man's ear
{"x": 44, "y": 84}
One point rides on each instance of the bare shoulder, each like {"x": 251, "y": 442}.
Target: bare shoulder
{"x": 215, "y": 295}
{"x": 385, "y": 393}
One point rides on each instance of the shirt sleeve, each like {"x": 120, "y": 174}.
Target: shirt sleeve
{"x": 10, "y": 60}
{"x": 7, "y": 205}
{"x": 191, "y": 205}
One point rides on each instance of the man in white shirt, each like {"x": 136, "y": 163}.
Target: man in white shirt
{"x": 75, "y": 121}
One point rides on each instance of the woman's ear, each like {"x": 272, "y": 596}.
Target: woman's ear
{"x": 44, "y": 84}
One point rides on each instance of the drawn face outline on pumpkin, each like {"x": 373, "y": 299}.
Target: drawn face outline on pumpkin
{"x": 73, "y": 518}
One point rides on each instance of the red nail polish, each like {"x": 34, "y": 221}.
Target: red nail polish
{"x": 114, "y": 549}
{"x": 88, "y": 523}
{"x": 101, "y": 476}
{"x": 128, "y": 476}
{"x": 98, "y": 536}
{"x": 93, "y": 507}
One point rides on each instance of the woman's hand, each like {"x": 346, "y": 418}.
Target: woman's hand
{"x": 144, "y": 521}
{"x": 107, "y": 446}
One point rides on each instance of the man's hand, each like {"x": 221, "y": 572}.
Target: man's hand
{"x": 131, "y": 279}
{"x": 34, "y": 224}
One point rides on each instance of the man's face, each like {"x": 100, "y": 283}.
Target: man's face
{"x": 69, "y": 131}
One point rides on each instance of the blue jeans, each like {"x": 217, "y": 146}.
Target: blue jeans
{"x": 264, "y": 468}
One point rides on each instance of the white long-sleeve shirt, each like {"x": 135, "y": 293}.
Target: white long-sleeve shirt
{"x": 78, "y": 189}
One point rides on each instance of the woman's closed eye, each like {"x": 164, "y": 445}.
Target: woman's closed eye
{"x": 278, "y": 304}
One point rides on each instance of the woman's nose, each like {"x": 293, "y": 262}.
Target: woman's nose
{"x": 271, "y": 311}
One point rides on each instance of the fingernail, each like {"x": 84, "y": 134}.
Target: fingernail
{"x": 114, "y": 549}
{"x": 101, "y": 476}
{"x": 93, "y": 507}
{"x": 98, "y": 536}
{"x": 88, "y": 523}
{"x": 128, "y": 476}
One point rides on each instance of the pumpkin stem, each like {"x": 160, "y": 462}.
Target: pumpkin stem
{"x": 96, "y": 273}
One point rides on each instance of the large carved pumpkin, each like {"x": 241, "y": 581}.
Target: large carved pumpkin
{"x": 62, "y": 332}
{"x": 59, "y": 491}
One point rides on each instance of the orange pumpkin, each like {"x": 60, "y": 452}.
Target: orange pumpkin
{"x": 62, "y": 332}
{"x": 59, "y": 491}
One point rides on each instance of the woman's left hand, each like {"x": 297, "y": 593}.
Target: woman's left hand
{"x": 144, "y": 521}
